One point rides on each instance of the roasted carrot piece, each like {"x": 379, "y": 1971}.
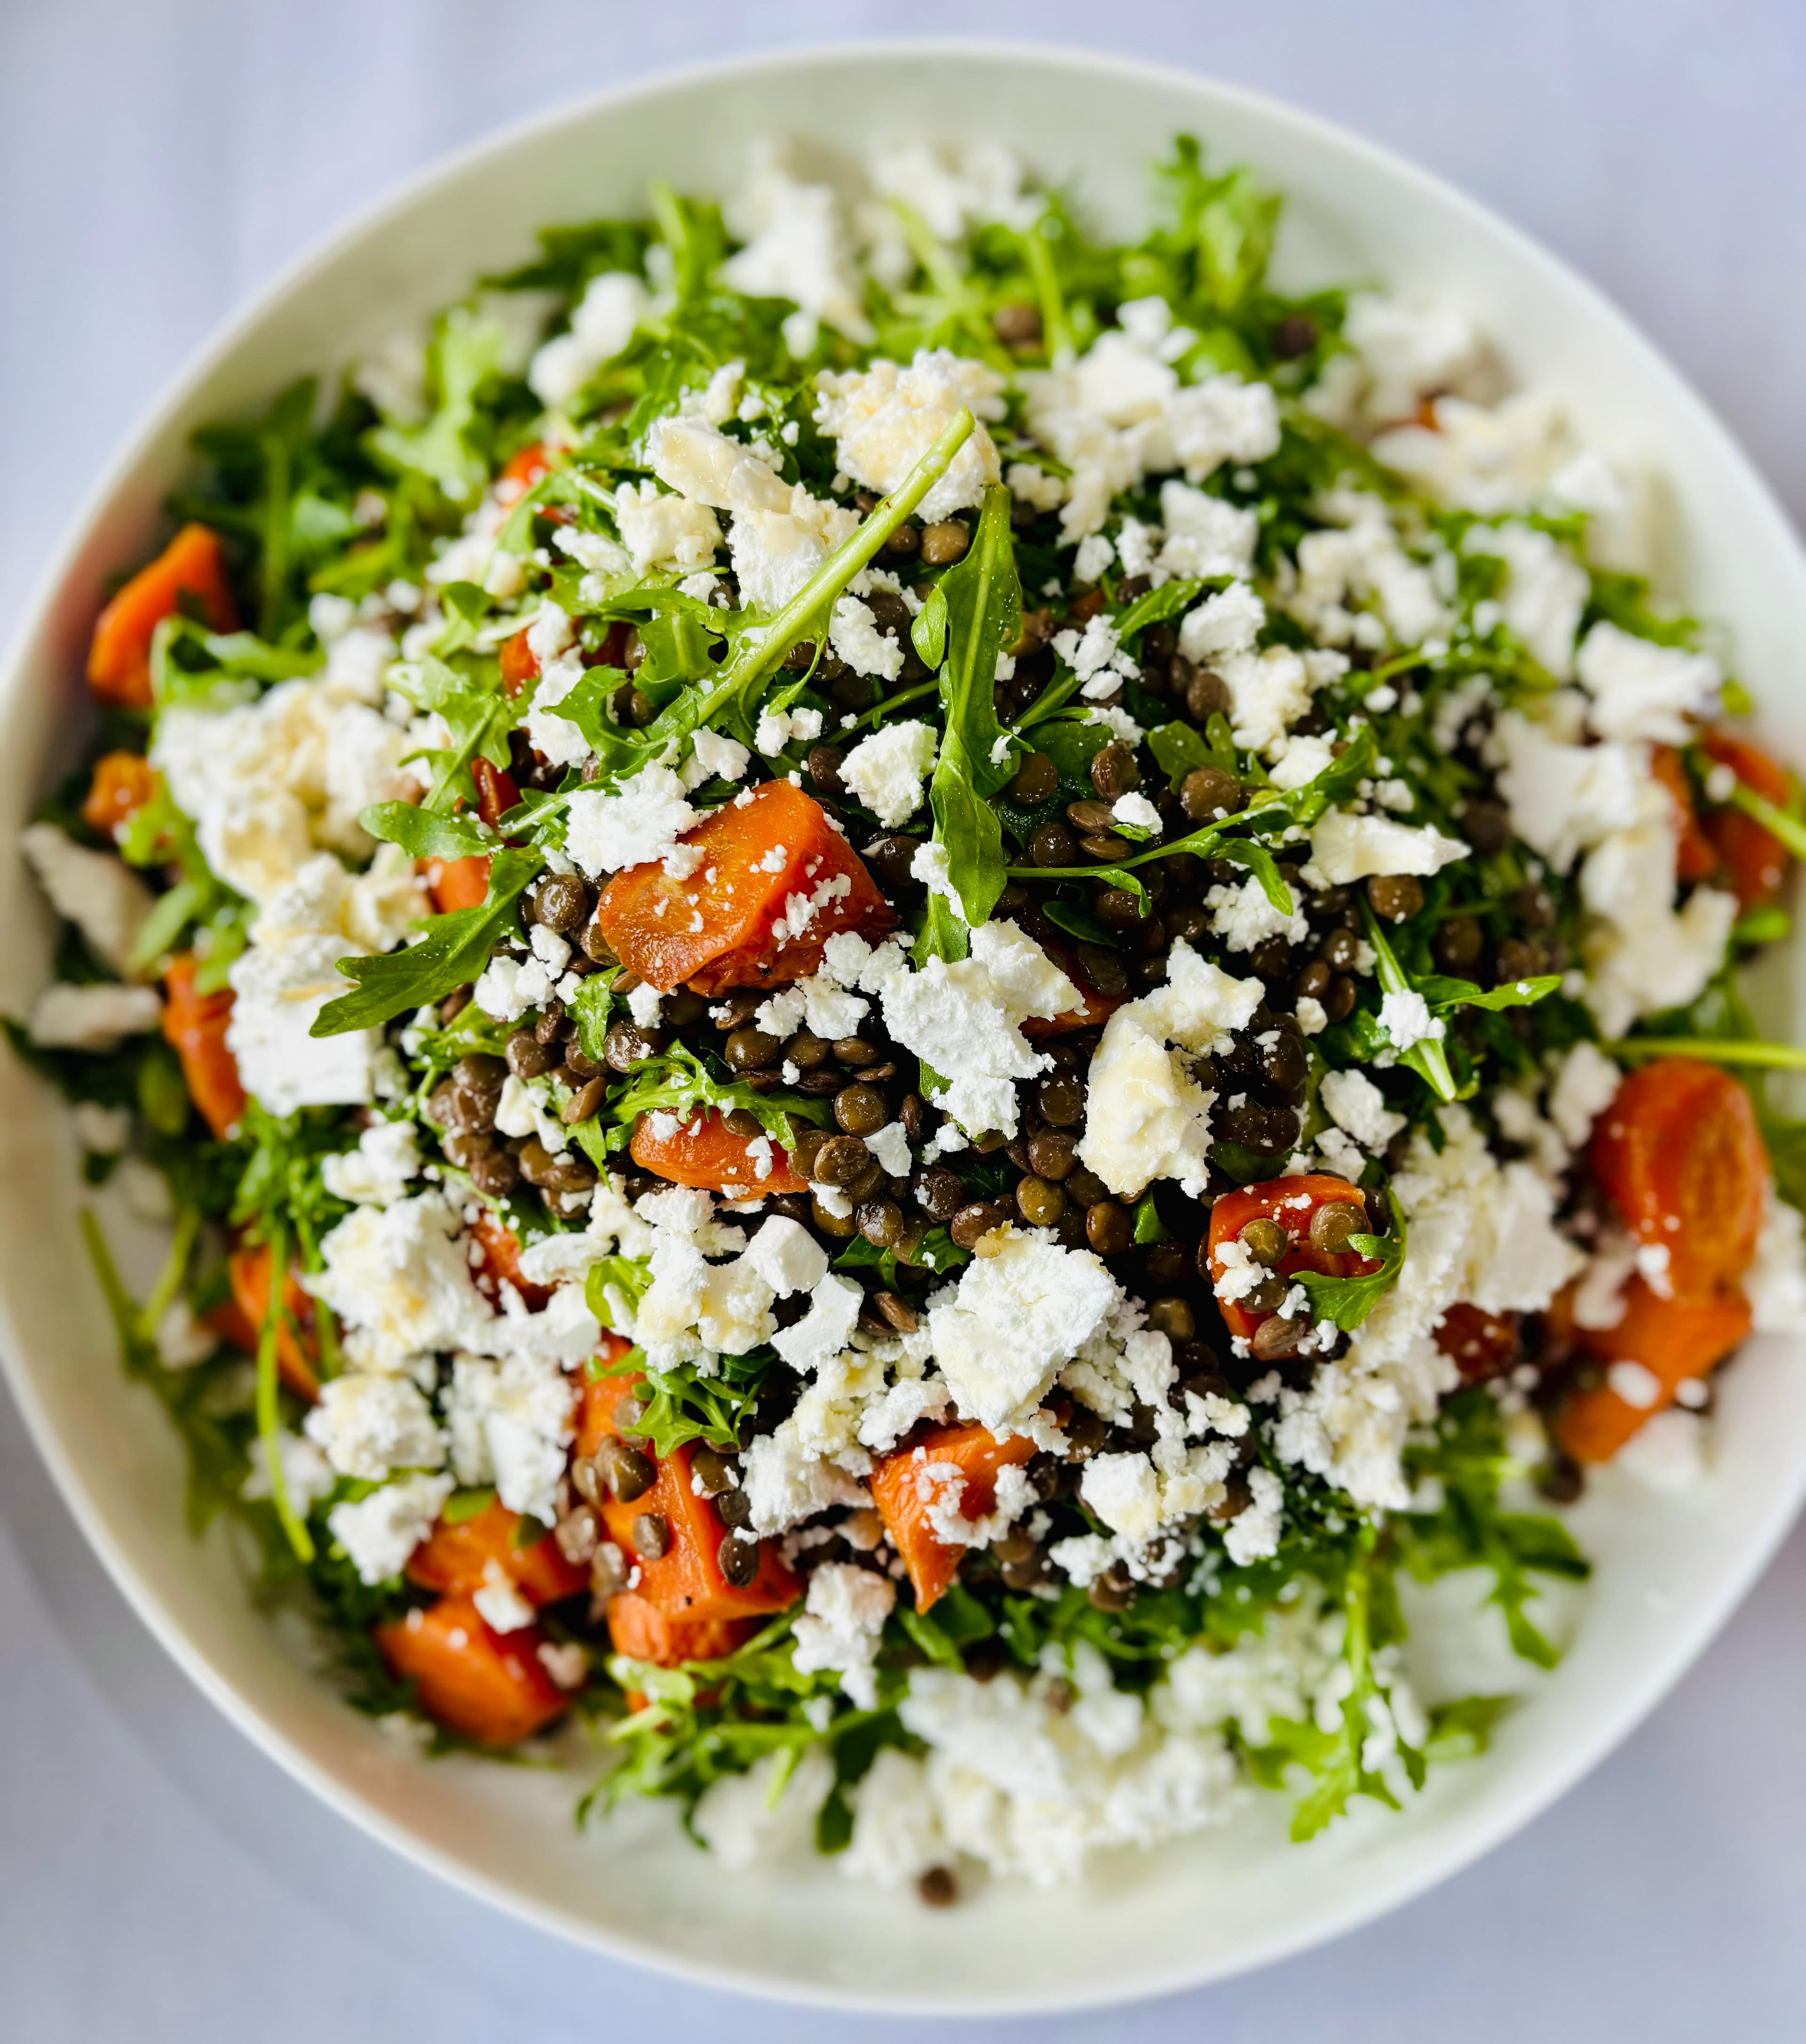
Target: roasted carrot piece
{"x": 901, "y": 1479}
{"x": 456, "y": 883}
{"x": 488, "y": 1685}
{"x": 776, "y": 880}
{"x": 638, "y": 1629}
{"x": 1482, "y": 1344}
{"x": 1673, "y": 1338}
{"x": 1292, "y": 1202}
{"x": 520, "y": 663}
{"x": 296, "y": 1356}
{"x": 455, "y": 1560}
{"x": 686, "y": 1580}
{"x": 521, "y": 471}
{"x": 194, "y": 1025}
{"x": 1755, "y": 861}
{"x": 496, "y": 792}
{"x": 705, "y": 1151}
{"x": 1694, "y": 854}
{"x": 123, "y": 783}
{"x": 501, "y": 1249}
{"x": 1679, "y": 1154}
{"x": 119, "y": 659}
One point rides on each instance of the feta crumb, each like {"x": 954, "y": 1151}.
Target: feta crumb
{"x": 97, "y": 891}
{"x": 841, "y": 1626}
{"x": 886, "y": 772}
{"x": 380, "y": 1531}
{"x": 96, "y": 1016}
{"x": 883, "y": 419}
{"x": 1004, "y": 1331}
{"x": 642, "y": 822}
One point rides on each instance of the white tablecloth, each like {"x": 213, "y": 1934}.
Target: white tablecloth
{"x": 159, "y": 1879}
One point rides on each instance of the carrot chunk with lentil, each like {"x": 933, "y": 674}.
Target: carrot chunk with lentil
{"x": 194, "y": 1025}
{"x": 705, "y": 1151}
{"x": 457, "y": 1559}
{"x": 1293, "y": 1205}
{"x": 1679, "y": 1154}
{"x": 907, "y": 1485}
{"x": 119, "y": 659}
{"x": 775, "y": 880}
{"x": 670, "y": 1531}
{"x": 489, "y": 1686}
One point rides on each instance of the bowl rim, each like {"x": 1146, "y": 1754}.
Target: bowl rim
{"x": 1462, "y": 1842}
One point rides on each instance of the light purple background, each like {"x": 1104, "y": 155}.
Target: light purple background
{"x": 159, "y": 1879}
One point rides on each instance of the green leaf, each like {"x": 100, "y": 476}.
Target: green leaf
{"x": 452, "y": 953}
{"x": 1349, "y": 1300}
{"x": 1154, "y": 606}
{"x": 427, "y": 833}
{"x": 1429, "y": 1060}
{"x": 1261, "y": 862}
{"x": 464, "y": 1505}
{"x": 983, "y": 599}
{"x": 927, "y": 630}
{"x": 678, "y": 1082}
{"x": 466, "y": 351}
{"x": 1444, "y": 994}
{"x": 1178, "y": 749}
{"x": 1149, "y": 1227}
{"x": 1462, "y": 1730}
{"x": 478, "y": 716}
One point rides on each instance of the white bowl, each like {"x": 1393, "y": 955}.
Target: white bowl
{"x": 1670, "y": 1569}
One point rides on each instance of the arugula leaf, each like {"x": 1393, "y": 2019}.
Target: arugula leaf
{"x": 1260, "y": 862}
{"x": 466, "y": 351}
{"x": 1429, "y": 1059}
{"x": 1445, "y": 994}
{"x": 479, "y": 715}
{"x": 927, "y": 629}
{"x": 426, "y": 833}
{"x": 677, "y": 1082}
{"x": 983, "y": 599}
{"x": 1154, "y": 606}
{"x": 1469, "y": 1530}
{"x": 681, "y": 1406}
{"x": 452, "y": 953}
{"x": 1180, "y": 748}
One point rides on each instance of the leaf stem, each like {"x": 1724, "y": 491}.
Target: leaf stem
{"x": 1427, "y": 1058}
{"x": 269, "y": 1413}
{"x": 1712, "y": 1049}
{"x": 1790, "y": 829}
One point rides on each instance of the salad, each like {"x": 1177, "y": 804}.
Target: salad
{"x": 910, "y": 993}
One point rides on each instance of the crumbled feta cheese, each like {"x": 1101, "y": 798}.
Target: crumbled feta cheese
{"x": 1243, "y": 918}
{"x": 1347, "y": 847}
{"x": 796, "y": 247}
{"x": 841, "y": 1625}
{"x": 380, "y": 1531}
{"x": 642, "y": 822}
{"x": 279, "y": 993}
{"x": 95, "y": 890}
{"x": 1586, "y": 1084}
{"x": 665, "y": 531}
{"x": 787, "y": 1257}
{"x": 891, "y": 1146}
{"x": 307, "y": 1476}
{"x": 602, "y": 323}
{"x": 825, "y": 1329}
{"x": 1564, "y": 798}
{"x": 1405, "y": 1017}
{"x": 499, "y": 1604}
{"x": 1147, "y": 1117}
{"x": 1642, "y": 690}
{"x": 1355, "y": 1104}
{"x": 1253, "y": 1534}
{"x": 1545, "y": 591}
{"x": 378, "y": 1170}
{"x": 964, "y": 1019}
{"x": 883, "y": 419}
{"x": 1003, "y": 1332}
{"x": 854, "y": 636}
{"x": 369, "y": 1424}
{"x": 778, "y": 728}
{"x": 887, "y": 771}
